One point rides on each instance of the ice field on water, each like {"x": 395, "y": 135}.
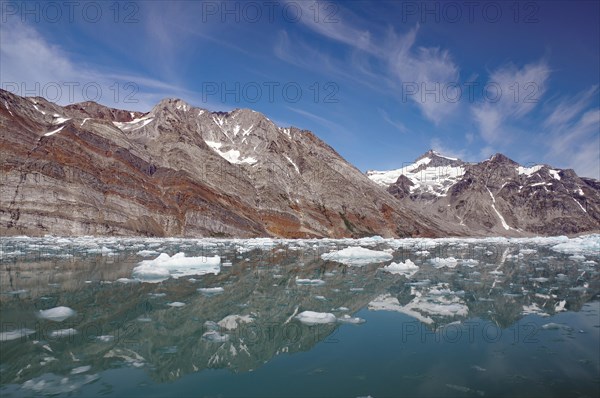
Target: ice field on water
{"x": 320, "y": 317}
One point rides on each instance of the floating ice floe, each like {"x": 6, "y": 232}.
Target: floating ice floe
{"x": 469, "y": 263}
{"x": 588, "y": 244}
{"x": 350, "y": 319}
{"x": 312, "y": 282}
{"x": 357, "y": 256}
{"x": 211, "y": 291}
{"x": 80, "y": 369}
{"x": 540, "y": 279}
{"x": 15, "y": 334}
{"x": 52, "y": 384}
{"x": 231, "y": 322}
{"x": 63, "y": 333}
{"x": 407, "y": 268}
{"x": 127, "y": 280}
{"x": 147, "y": 253}
{"x": 57, "y": 314}
{"x": 554, "y": 326}
{"x": 316, "y": 318}
{"x": 449, "y": 262}
{"x": 164, "y": 267}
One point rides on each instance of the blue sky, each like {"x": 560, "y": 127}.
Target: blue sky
{"x": 381, "y": 82}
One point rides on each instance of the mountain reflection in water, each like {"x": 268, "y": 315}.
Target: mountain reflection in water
{"x": 469, "y": 300}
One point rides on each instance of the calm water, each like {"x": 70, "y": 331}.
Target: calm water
{"x": 491, "y": 317}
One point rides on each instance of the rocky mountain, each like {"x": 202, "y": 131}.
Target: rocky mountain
{"x": 496, "y": 196}
{"x": 85, "y": 169}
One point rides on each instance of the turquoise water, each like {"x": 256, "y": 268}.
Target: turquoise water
{"x": 507, "y": 318}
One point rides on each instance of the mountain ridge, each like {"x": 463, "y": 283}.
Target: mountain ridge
{"x": 182, "y": 171}
{"x": 179, "y": 170}
{"x": 497, "y": 193}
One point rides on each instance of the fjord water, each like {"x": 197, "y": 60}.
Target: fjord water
{"x": 472, "y": 317}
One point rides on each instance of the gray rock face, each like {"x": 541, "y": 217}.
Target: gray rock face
{"x": 497, "y": 196}
{"x": 86, "y": 169}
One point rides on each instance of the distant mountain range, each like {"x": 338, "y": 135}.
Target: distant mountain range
{"x": 86, "y": 169}
{"x": 496, "y": 196}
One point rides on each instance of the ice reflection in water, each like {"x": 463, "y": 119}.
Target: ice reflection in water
{"x": 425, "y": 317}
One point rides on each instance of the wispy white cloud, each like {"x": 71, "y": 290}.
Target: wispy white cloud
{"x": 511, "y": 94}
{"x": 428, "y": 70}
{"x": 572, "y": 139}
{"x": 437, "y": 145}
{"x": 336, "y": 28}
{"x": 397, "y": 124}
{"x": 569, "y": 107}
{"x": 425, "y": 67}
{"x": 30, "y": 65}
{"x": 329, "y": 124}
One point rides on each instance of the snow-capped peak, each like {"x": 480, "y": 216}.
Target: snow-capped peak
{"x": 431, "y": 173}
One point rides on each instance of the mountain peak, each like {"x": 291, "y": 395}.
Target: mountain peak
{"x": 500, "y": 158}
{"x": 433, "y": 154}
{"x": 172, "y": 104}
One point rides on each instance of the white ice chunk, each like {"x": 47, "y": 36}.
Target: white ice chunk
{"x": 313, "y": 282}
{"x": 63, "y": 333}
{"x": 165, "y": 266}
{"x": 407, "y": 268}
{"x": 357, "y": 256}
{"x": 80, "y": 369}
{"x": 211, "y": 291}
{"x": 352, "y": 320}
{"x": 315, "y": 318}
{"x": 588, "y": 244}
{"x": 15, "y": 334}
{"x": 449, "y": 262}
{"x": 57, "y": 314}
{"x": 231, "y": 322}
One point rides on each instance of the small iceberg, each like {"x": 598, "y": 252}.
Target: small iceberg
{"x": 357, "y": 256}
{"x": 231, "y": 322}
{"x": 316, "y": 318}
{"x": 57, "y": 314}
{"x": 406, "y": 268}
{"x": 449, "y": 262}
{"x": 15, "y": 334}
{"x": 351, "y": 320}
{"x": 164, "y": 267}
{"x": 211, "y": 291}
{"x": 63, "y": 333}
{"x": 312, "y": 282}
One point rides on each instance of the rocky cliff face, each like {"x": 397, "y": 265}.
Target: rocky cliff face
{"x": 497, "y": 196}
{"x": 86, "y": 169}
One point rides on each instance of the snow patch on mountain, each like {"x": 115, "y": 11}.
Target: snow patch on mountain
{"x": 232, "y": 155}
{"x": 426, "y": 177}
{"x": 529, "y": 170}
{"x": 135, "y": 124}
